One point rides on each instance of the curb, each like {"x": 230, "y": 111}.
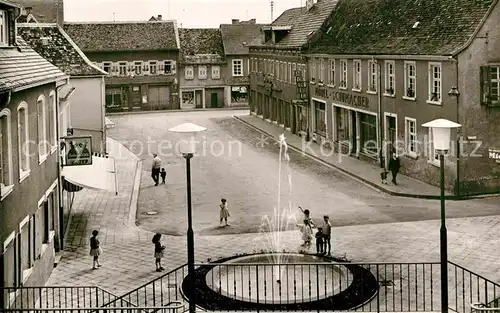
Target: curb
{"x": 132, "y": 213}
{"x": 177, "y": 111}
{"x": 365, "y": 181}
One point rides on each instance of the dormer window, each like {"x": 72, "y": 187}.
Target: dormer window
{"x": 4, "y": 39}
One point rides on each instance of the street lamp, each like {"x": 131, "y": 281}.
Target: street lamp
{"x": 187, "y": 147}
{"x": 454, "y": 93}
{"x": 441, "y": 137}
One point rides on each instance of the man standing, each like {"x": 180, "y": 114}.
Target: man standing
{"x": 327, "y": 233}
{"x": 155, "y": 169}
{"x": 394, "y": 166}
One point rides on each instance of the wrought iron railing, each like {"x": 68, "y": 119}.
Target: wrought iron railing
{"x": 172, "y": 307}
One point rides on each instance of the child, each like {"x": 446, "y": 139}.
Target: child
{"x": 224, "y": 212}
{"x": 158, "y": 252}
{"x": 383, "y": 176}
{"x": 306, "y": 233}
{"x": 307, "y": 216}
{"x": 163, "y": 174}
{"x": 319, "y": 241}
{"x": 95, "y": 249}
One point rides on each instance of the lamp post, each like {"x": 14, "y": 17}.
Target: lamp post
{"x": 454, "y": 93}
{"x": 187, "y": 147}
{"x": 440, "y": 139}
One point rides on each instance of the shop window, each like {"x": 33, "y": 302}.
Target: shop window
{"x": 320, "y": 117}
{"x": 188, "y": 97}
{"x": 342, "y": 124}
{"x": 113, "y": 97}
{"x": 368, "y": 129}
{"x": 239, "y": 94}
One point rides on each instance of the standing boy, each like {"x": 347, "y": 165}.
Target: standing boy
{"x": 327, "y": 232}
{"x": 319, "y": 241}
{"x": 394, "y": 166}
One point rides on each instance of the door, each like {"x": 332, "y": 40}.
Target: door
{"x": 158, "y": 97}
{"x": 198, "y": 98}
{"x": 135, "y": 97}
{"x": 214, "y": 100}
{"x": 164, "y": 97}
{"x": 390, "y": 136}
{"x": 354, "y": 132}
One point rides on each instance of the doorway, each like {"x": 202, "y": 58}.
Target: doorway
{"x": 354, "y": 132}
{"x": 390, "y": 135}
{"x": 214, "y": 100}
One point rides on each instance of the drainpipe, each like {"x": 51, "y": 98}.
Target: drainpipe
{"x": 380, "y": 115}
{"x": 59, "y": 179}
{"x": 457, "y": 191}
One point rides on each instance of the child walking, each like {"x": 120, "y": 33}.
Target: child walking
{"x": 163, "y": 174}
{"x": 319, "y": 241}
{"x": 95, "y": 249}
{"x": 158, "y": 252}
{"x": 224, "y": 212}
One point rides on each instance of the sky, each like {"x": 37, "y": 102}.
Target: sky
{"x": 189, "y": 13}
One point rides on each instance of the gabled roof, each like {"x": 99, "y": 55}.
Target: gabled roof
{"x": 124, "y": 36}
{"x": 201, "y": 44}
{"x": 22, "y": 67}
{"x": 236, "y": 38}
{"x": 416, "y": 27}
{"x": 58, "y": 49}
{"x": 303, "y": 23}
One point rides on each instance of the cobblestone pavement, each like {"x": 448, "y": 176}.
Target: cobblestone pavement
{"x": 128, "y": 253}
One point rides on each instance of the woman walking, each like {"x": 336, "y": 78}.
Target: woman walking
{"x": 158, "y": 252}
{"x": 224, "y": 212}
{"x": 95, "y": 249}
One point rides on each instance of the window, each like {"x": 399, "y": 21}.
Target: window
{"x": 23, "y": 140}
{"x": 271, "y": 67}
{"x": 410, "y": 80}
{"x": 52, "y": 126}
{"x": 321, "y": 73}
{"x": 9, "y": 264}
{"x": 26, "y": 245}
{"x": 167, "y": 67}
{"x": 122, "y": 68}
{"x": 294, "y": 69}
{"x": 490, "y": 85}
{"x": 4, "y": 40}
{"x": 368, "y": 134}
{"x": 41, "y": 128}
{"x": 319, "y": 117}
{"x": 237, "y": 67}
{"x": 372, "y": 76}
{"x": 278, "y": 68}
{"x": 202, "y": 72}
{"x": 6, "y": 182}
{"x": 189, "y": 72}
{"x": 289, "y": 72}
{"x": 107, "y": 67}
{"x": 331, "y": 75}
{"x": 343, "y": 77}
{"x": 239, "y": 94}
{"x": 313, "y": 70}
{"x": 215, "y": 72}
{"x": 113, "y": 97}
{"x": 356, "y": 77}
{"x": 138, "y": 67}
{"x": 153, "y": 67}
{"x": 389, "y": 78}
{"x": 435, "y": 83}
{"x": 411, "y": 136}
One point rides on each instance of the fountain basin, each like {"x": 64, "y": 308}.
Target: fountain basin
{"x": 306, "y": 282}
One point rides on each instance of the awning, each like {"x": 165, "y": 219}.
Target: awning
{"x": 99, "y": 175}
{"x": 109, "y": 123}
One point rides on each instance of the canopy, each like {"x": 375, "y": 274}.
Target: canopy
{"x": 100, "y": 175}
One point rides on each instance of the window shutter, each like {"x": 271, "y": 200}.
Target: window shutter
{"x": 173, "y": 66}
{"x": 485, "y": 85}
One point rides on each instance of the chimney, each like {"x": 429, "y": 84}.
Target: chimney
{"x": 159, "y": 18}
{"x": 235, "y": 21}
{"x": 252, "y": 21}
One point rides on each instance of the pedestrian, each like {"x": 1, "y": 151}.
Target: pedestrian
{"x": 327, "y": 234}
{"x": 307, "y": 233}
{"x": 319, "y": 241}
{"x": 159, "y": 248}
{"x": 383, "y": 176}
{"x": 224, "y": 212}
{"x": 155, "y": 169}
{"x": 163, "y": 175}
{"x": 394, "y": 166}
{"x": 95, "y": 249}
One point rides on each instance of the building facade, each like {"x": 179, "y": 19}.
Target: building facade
{"x": 202, "y": 68}
{"x": 371, "y": 95}
{"x": 278, "y": 80}
{"x": 84, "y": 112}
{"x": 30, "y": 229}
{"x": 140, "y": 58}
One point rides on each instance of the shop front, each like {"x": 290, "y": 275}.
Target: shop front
{"x": 239, "y": 95}
{"x": 191, "y": 99}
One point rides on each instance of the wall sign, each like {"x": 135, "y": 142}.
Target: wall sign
{"x": 78, "y": 150}
{"x": 494, "y": 154}
{"x": 343, "y": 97}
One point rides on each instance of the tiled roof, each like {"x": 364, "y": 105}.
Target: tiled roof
{"x": 60, "y": 50}
{"x": 124, "y": 36}
{"x": 237, "y": 37}
{"x": 22, "y": 66}
{"x": 303, "y": 22}
{"x": 417, "y": 27}
{"x": 200, "y": 41}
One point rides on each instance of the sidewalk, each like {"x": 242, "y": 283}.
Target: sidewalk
{"x": 234, "y": 108}
{"x": 362, "y": 171}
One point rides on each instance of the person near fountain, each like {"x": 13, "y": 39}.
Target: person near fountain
{"x": 327, "y": 233}
{"x": 307, "y": 233}
{"x": 159, "y": 248}
{"x": 224, "y": 212}
{"x": 307, "y": 216}
{"x": 319, "y": 241}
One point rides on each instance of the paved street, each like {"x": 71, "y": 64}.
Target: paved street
{"x": 248, "y": 178}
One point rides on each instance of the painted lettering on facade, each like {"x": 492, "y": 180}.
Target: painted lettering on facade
{"x": 343, "y": 97}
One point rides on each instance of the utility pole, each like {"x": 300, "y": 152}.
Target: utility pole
{"x": 272, "y": 9}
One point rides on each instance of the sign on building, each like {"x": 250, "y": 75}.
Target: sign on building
{"x": 78, "y": 150}
{"x": 494, "y": 154}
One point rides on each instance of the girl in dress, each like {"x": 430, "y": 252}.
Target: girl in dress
{"x": 158, "y": 252}
{"x": 307, "y": 233}
{"x": 224, "y": 212}
{"x": 95, "y": 249}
